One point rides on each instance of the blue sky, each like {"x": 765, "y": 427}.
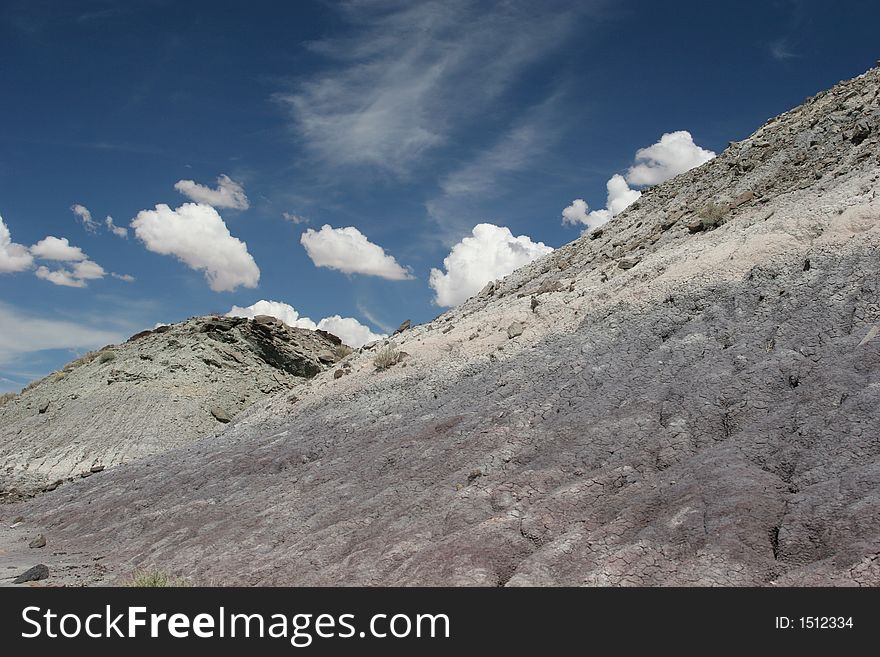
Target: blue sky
{"x": 410, "y": 123}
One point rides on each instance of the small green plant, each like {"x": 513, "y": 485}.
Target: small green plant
{"x": 106, "y": 356}
{"x": 341, "y": 351}
{"x": 387, "y": 357}
{"x": 7, "y": 397}
{"x": 156, "y": 579}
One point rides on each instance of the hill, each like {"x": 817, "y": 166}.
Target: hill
{"x": 688, "y": 396}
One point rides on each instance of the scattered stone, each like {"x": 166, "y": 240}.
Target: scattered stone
{"x": 34, "y": 574}
{"x": 534, "y": 304}
{"x": 44, "y": 407}
{"x": 338, "y": 374}
{"x": 515, "y": 330}
{"x": 807, "y": 264}
{"x": 38, "y": 542}
{"x": 327, "y": 356}
{"x": 405, "y": 326}
{"x": 742, "y": 199}
{"x": 596, "y": 234}
{"x": 860, "y": 133}
{"x": 628, "y": 263}
{"x": 488, "y": 290}
{"x": 549, "y": 286}
{"x": 220, "y": 414}
{"x": 448, "y": 329}
{"x": 96, "y": 468}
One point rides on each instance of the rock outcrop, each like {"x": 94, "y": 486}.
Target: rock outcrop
{"x": 159, "y": 390}
{"x": 690, "y": 403}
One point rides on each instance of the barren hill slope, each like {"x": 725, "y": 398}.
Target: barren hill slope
{"x": 160, "y": 390}
{"x": 693, "y": 400}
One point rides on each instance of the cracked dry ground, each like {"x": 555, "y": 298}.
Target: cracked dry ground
{"x": 702, "y": 441}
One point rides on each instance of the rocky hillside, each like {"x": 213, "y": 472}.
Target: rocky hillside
{"x": 688, "y": 396}
{"x": 159, "y": 390}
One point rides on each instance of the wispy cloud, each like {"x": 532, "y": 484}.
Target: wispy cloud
{"x": 781, "y": 50}
{"x": 483, "y": 176}
{"x": 400, "y": 84}
{"x": 43, "y": 334}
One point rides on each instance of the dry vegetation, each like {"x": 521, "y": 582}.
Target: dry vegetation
{"x": 387, "y": 357}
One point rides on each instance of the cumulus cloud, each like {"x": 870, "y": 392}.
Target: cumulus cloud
{"x": 229, "y": 194}
{"x": 119, "y": 231}
{"x": 57, "y": 248}
{"x": 295, "y": 219}
{"x": 283, "y": 311}
{"x": 576, "y": 213}
{"x": 348, "y": 250}
{"x": 88, "y": 271}
{"x": 85, "y": 217}
{"x": 197, "y": 236}
{"x": 675, "y": 153}
{"x": 13, "y": 257}
{"x": 82, "y": 271}
{"x": 490, "y": 252}
{"x": 61, "y": 277}
{"x": 347, "y": 329}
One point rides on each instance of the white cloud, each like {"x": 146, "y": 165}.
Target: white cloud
{"x": 675, "y": 153}
{"x": 82, "y": 271}
{"x": 576, "y": 213}
{"x": 119, "y": 231}
{"x": 414, "y": 72}
{"x": 85, "y": 217}
{"x": 348, "y": 250}
{"x": 283, "y": 311}
{"x": 61, "y": 277}
{"x": 491, "y": 252}
{"x": 295, "y": 219}
{"x": 229, "y": 194}
{"x": 197, "y": 236}
{"x": 13, "y": 257}
{"x": 347, "y": 329}
{"x": 23, "y": 334}
{"x": 88, "y": 270}
{"x": 128, "y": 278}
{"x": 57, "y": 248}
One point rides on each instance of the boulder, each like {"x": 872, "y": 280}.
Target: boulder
{"x": 33, "y": 574}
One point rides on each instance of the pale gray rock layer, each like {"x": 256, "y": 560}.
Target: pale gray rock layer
{"x": 706, "y": 414}
{"x": 160, "y": 390}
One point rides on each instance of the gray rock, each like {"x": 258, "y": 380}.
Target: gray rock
{"x": 627, "y": 263}
{"x": 160, "y": 385}
{"x": 327, "y": 356}
{"x": 220, "y": 414}
{"x": 38, "y": 542}
{"x": 33, "y": 574}
{"x": 405, "y": 326}
{"x": 515, "y": 330}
